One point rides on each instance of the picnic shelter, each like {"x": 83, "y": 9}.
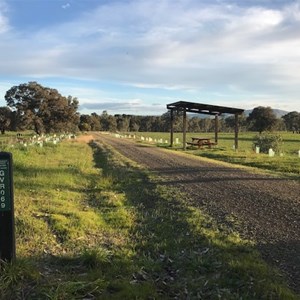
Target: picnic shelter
{"x": 199, "y": 108}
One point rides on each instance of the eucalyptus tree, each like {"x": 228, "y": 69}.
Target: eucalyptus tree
{"x": 292, "y": 121}
{"x": 262, "y": 119}
{"x": 5, "y": 118}
{"x": 42, "y": 109}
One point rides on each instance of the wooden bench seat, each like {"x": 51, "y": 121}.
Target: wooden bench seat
{"x": 193, "y": 143}
{"x": 202, "y": 144}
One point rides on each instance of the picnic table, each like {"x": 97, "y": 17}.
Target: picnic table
{"x": 201, "y": 142}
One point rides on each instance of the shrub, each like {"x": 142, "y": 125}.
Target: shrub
{"x": 265, "y": 141}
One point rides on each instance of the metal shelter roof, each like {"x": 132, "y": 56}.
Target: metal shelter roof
{"x": 203, "y": 108}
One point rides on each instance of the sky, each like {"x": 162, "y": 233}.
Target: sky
{"x": 136, "y": 56}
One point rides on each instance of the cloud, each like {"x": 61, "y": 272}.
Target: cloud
{"x": 135, "y": 106}
{"x": 109, "y": 44}
{"x": 65, "y": 6}
{"x": 4, "y": 87}
{"x": 113, "y": 104}
{"x": 191, "y": 46}
{"x": 4, "y": 22}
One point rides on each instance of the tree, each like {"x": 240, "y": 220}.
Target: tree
{"x": 206, "y": 124}
{"x": 134, "y": 123}
{"x": 5, "y": 119}
{"x": 292, "y": 121}
{"x": 85, "y": 123}
{"x": 59, "y": 114}
{"x": 42, "y": 109}
{"x": 122, "y": 123}
{"x": 145, "y": 124}
{"x": 157, "y": 124}
{"x": 108, "y": 122}
{"x": 230, "y": 122}
{"x": 262, "y": 119}
{"x": 95, "y": 122}
{"x": 193, "y": 124}
{"x": 177, "y": 121}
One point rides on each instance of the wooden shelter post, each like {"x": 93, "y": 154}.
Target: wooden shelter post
{"x": 184, "y": 129}
{"x": 236, "y": 131}
{"x": 172, "y": 128}
{"x": 216, "y": 128}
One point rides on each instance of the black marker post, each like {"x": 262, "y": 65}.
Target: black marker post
{"x": 7, "y": 224}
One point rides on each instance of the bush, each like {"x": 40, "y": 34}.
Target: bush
{"x": 265, "y": 141}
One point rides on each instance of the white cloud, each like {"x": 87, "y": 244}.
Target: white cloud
{"x": 173, "y": 45}
{"x": 126, "y": 106}
{"x": 4, "y": 22}
{"x": 65, "y": 6}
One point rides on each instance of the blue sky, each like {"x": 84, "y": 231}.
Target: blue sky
{"x": 134, "y": 57}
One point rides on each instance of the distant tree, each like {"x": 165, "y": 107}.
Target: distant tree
{"x": 108, "y": 122}
{"x": 42, "y": 109}
{"x": 262, "y": 119}
{"x": 145, "y": 124}
{"x": 193, "y": 124}
{"x": 280, "y": 125}
{"x": 206, "y": 124}
{"x": 122, "y": 123}
{"x": 157, "y": 124}
{"x": 166, "y": 121}
{"x": 134, "y": 123}
{"x": 5, "y": 119}
{"x": 112, "y": 124}
{"x": 230, "y": 122}
{"x": 95, "y": 125}
{"x": 85, "y": 123}
{"x": 89, "y": 122}
{"x": 177, "y": 122}
{"x": 292, "y": 121}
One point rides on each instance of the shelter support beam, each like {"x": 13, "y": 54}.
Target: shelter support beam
{"x": 216, "y": 128}
{"x": 172, "y": 128}
{"x": 236, "y": 131}
{"x": 184, "y": 129}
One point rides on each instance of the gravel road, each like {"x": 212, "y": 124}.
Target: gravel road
{"x": 266, "y": 208}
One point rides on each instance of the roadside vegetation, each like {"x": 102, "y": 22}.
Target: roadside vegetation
{"x": 92, "y": 225}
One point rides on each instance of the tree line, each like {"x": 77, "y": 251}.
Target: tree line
{"x": 30, "y": 106}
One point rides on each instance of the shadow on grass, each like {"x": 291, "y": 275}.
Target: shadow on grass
{"x": 176, "y": 253}
{"x": 289, "y": 260}
{"x": 181, "y": 252}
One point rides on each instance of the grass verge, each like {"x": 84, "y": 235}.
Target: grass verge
{"x": 92, "y": 225}
{"x": 287, "y": 162}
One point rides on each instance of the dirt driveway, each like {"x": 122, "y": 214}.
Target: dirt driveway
{"x": 262, "y": 208}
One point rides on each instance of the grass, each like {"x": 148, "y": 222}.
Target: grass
{"x": 288, "y": 163}
{"x": 92, "y": 225}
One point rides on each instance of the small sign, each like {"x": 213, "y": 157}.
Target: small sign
{"x": 5, "y": 188}
{"x": 7, "y": 224}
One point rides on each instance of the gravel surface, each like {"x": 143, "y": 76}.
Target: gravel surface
{"x": 265, "y": 209}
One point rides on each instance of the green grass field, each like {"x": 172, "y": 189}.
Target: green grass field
{"x": 92, "y": 225}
